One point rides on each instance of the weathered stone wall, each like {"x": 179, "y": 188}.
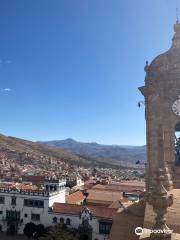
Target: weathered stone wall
{"x": 161, "y": 90}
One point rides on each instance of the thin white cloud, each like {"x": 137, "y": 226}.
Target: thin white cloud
{"x": 6, "y": 90}
{"x": 5, "y": 61}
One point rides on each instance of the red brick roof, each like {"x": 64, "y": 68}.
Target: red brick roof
{"x": 76, "y": 197}
{"x": 104, "y": 196}
{"x": 116, "y": 205}
{"x": 27, "y": 187}
{"x": 121, "y": 187}
{"x": 32, "y": 178}
{"x": 72, "y": 209}
{"x": 20, "y": 186}
{"x": 89, "y": 184}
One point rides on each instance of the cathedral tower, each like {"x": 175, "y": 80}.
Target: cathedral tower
{"x": 162, "y": 111}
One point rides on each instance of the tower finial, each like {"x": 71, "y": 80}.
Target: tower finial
{"x": 177, "y": 15}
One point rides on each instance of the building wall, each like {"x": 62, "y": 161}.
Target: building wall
{"x": 46, "y": 215}
{"x": 58, "y": 198}
{"x": 160, "y": 92}
{"x": 43, "y": 212}
{"x": 76, "y": 221}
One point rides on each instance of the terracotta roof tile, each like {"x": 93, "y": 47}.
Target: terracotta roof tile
{"x": 116, "y": 205}
{"x": 100, "y": 195}
{"x": 72, "y": 209}
{"x": 125, "y": 186}
{"x": 76, "y": 197}
{"x": 33, "y": 178}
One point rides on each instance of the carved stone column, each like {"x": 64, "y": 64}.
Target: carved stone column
{"x": 160, "y": 200}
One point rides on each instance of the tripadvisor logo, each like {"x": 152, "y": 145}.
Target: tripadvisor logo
{"x": 139, "y": 231}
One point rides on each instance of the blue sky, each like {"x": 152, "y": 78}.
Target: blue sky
{"x": 74, "y": 66}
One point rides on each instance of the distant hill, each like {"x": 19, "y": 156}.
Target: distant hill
{"x": 116, "y": 154}
{"x": 15, "y": 148}
{"x": 20, "y": 152}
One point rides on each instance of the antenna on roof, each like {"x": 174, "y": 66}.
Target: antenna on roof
{"x": 177, "y": 15}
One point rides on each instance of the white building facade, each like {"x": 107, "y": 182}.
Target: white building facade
{"x": 48, "y": 207}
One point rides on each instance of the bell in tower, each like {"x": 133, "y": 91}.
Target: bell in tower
{"x": 162, "y": 111}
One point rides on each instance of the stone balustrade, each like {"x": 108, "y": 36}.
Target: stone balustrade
{"x": 25, "y": 192}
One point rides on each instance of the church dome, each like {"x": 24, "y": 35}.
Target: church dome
{"x": 168, "y": 61}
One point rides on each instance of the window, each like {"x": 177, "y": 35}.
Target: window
{"x": 68, "y": 221}
{"x": 105, "y": 227}
{"x": 13, "y": 201}
{"x": 1, "y": 212}
{"x": 35, "y": 217}
{"x": 41, "y": 204}
{"x": 54, "y": 219}
{"x": 33, "y": 203}
{"x": 12, "y": 215}
{"x": 25, "y": 215}
{"x": 61, "y": 220}
{"x": 25, "y": 202}
{"x": 2, "y": 200}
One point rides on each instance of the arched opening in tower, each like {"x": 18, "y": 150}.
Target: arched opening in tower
{"x": 177, "y": 144}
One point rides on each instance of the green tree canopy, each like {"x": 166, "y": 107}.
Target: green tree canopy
{"x": 40, "y": 231}
{"x": 59, "y": 232}
{"x": 30, "y": 229}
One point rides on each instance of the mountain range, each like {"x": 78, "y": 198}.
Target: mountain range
{"x": 20, "y": 152}
{"x": 16, "y": 149}
{"x": 114, "y": 154}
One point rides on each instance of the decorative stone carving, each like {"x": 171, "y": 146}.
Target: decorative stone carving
{"x": 160, "y": 199}
{"x": 161, "y": 90}
{"x": 167, "y": 178}
{"x": 86, "y": 214}
{"x": 146, "y": 67}
{"x": 85, "y": 229}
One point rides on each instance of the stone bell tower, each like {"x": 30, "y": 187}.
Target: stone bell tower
{"x": 162, "y": 112}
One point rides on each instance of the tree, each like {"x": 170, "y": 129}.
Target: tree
{"x": 40, "y": 231}
{"x": 30, "y": 229}
{"x": 59, "y": 232}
